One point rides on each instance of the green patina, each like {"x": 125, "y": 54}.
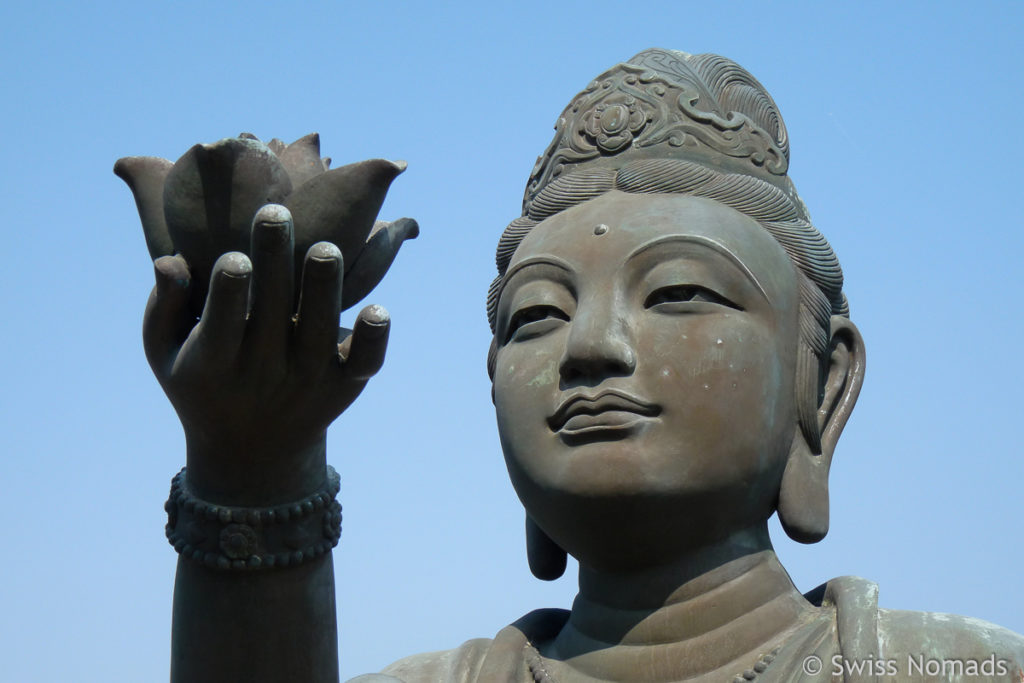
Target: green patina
{"x": 546, "y": 376}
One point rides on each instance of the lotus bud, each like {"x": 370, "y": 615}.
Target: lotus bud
{"x": 203, "y": 205}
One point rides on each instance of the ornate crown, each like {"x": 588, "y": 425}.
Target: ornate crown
{"x": 665, "y": 103}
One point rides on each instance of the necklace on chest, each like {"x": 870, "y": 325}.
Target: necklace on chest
{"x": 541, "y": 675}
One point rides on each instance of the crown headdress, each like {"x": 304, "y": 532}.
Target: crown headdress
{"x": 665, "y": 103}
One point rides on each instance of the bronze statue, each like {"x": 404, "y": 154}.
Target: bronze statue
{"x": 673, "y": 362}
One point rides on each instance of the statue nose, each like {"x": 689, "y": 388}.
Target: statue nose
{"x": 599, "y": 346}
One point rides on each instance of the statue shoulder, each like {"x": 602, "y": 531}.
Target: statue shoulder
{"x": 481, "y": 659}
{"x": 948, "y": 642}
{"x": 459, "y": 665}
{"x": 924, "y": 644}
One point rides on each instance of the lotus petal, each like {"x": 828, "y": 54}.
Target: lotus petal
{"x": 302, "y": 159}
{"x": 211, "y": 196}
{"x": 277, "y": 146}
{"x": 145, "y": 178}
{"x": 375, "y": 259}
{"x": 340, "y": 206}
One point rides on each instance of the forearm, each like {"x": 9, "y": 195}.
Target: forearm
{"x": 256, "y": 626}
{"x": 254, "y": 592}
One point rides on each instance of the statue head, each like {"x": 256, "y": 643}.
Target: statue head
{"x": 680, "y": 322}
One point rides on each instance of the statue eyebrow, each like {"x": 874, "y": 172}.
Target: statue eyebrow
{"x": 534, "y": 261}
{"x": 538, "y": 261}
{"x": 709, "y": 243}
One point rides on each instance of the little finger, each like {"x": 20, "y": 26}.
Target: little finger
{"x": 362, "y": 353}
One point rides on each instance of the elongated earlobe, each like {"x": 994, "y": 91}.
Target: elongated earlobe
{"x": 803, "y": 495}
{"x": 547, "y": 559}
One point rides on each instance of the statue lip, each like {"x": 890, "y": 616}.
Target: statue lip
{"x": 611, "y": 408}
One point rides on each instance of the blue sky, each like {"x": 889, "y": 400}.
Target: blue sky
{"x": 904, "y": 121}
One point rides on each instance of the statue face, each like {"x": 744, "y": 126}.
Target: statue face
{"x": 647, "y": 348}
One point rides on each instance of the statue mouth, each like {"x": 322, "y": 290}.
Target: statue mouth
{"x": 611, "y": 411}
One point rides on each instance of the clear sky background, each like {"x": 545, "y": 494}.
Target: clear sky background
{"x": 905, "y": 120}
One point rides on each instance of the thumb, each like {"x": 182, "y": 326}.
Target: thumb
{"x": 167, "y": 321}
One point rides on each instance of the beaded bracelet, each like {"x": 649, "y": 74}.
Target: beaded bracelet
{"x": 234, "y": 538}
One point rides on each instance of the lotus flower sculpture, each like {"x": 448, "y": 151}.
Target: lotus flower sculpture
{"x": 202, "y": 206}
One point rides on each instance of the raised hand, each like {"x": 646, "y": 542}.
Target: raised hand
{"x": 255, "y": 382}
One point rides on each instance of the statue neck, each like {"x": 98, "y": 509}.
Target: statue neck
{"x": 715, "y": 608}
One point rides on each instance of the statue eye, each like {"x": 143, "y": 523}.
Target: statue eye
{"x": 679, "y": 294}
{"x": 527, "y": 323}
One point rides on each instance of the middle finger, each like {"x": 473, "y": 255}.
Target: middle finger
{"x": 273, "y": 243}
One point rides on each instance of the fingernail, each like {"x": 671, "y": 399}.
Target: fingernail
{"x": 171, "y": 270}
{"x": 375, "y": 316}
{"x": 324, "y": 259}
{"x": 234, "y": 264}
{"x": 272, "y": 227}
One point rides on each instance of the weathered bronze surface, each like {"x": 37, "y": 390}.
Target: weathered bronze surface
{"x": 673, "y": 362}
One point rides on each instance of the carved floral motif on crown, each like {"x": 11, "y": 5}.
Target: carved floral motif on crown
{"x": 613, "y": 124}
{"x": 636, "y": 110}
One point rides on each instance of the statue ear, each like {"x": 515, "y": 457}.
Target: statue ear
{"x": 803, "y": 496}
{"x": 547, "y": 559}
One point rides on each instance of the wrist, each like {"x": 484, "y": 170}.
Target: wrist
{"x": 264, "y": 474}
